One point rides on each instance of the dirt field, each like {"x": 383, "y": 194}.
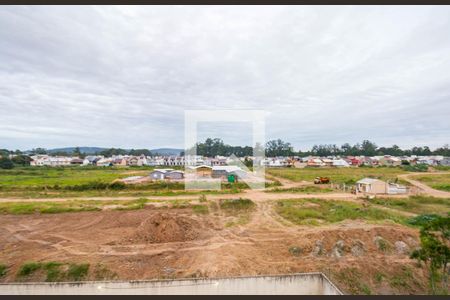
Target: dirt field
{"x": 155, "y": 242}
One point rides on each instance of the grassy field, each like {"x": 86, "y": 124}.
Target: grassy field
{"x": 436, "y": 181}
{"x": 337, "y": 175}
{"x": 62, "y": 177}
{"x": 316, "y": 212}
{"x": 302, "y": 190}
{"x": 72, "y": 206}
{"x": 72, "y": 182}
{"x": 416, "y": 204}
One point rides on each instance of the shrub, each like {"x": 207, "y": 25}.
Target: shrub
{"x": 3, "y": 269}
{"x": 77, "y": 272}
{"x": 29, "y": 268}
{"x": 295, "y": 251}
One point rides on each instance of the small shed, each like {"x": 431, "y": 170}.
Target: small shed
{"x": 203, "y": 171}
{"x": 160, "y": 174}
{"x": 371, "y": 186}
{"x": 175, "y": 174}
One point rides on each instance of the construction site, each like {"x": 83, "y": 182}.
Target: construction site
{"x": 252, "y": 233}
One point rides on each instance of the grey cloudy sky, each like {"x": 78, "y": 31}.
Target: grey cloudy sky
{"x": 123, "y": 76}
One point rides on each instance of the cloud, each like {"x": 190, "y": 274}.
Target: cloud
{"x": 122, "y": 76}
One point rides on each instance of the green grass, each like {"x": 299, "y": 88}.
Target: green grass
{"x": 336, "y": 175}
{"x": 416, "y": 204}
{"x": 3, "y": 270}
{"x": 48, "y": 207}
{"x": 59, "y": 176}
{"x": 55, "y": 271}
{"x": 47, "y": 182}
{"x": 236, "y": 204}
{"x": 29, "y": 268}
{"x": 436, "y": 181}
{"x": 316, "y": 211}
{"x": 200, "y": 209}
{"x": 301, "y": 190}
{"x": 77, "y": 272}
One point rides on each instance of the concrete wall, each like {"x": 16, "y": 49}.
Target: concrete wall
{"x": 296, "y": 284}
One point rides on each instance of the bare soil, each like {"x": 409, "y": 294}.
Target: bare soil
{"x": 169, "y": 243}
{"x": 157, "y": 242}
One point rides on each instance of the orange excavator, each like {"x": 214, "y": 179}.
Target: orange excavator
{"x": 321, "y": 180}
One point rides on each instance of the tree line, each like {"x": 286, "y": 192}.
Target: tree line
{"x": 212, "y": 147}
{"x": 215, "y": 146}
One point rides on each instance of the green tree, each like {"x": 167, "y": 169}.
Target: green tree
{"x": 6, "y": 163}
{"x": 368, "y": 148}
{"x": 434, "y": 251}
{"x": 278, "y": 148}
{"x": 22, "y": 160}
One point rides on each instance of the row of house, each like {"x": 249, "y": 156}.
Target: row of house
{"x": 270, "y": 162}
{"x": 355, "y": 161}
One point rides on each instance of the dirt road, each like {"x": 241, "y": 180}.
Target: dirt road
{"x": 423, "y": 187}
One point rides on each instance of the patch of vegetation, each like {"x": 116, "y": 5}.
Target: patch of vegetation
{"x": 301, "y": 190}
{"x": 442, "y": 168}
{"x": 77, "y": 272}
{"x": 200, "y": 209}
{"x": 48, "y": 207}
{"x": 240, "y": 204}
{"x": 3, "y": 270}
{"x": 379, "y": 277}
{"x": 434, "y": 250}
{"x": 402, "y": 280}
{"x": 415, "y": 204}
{"x": 48, "y": 182}
{"x": 53, "y": 271}
{"x": 436, "y": 181}
{"x": 242, "y": 219}
{"x": 295, "y": 251}
{"x": 101, "y": 272}
{"x": 29, "y": 268}
{"x": 415, "y": 168}
{"x": 310, "y": 211}
{"x": 134, "y": 204}
{"x": 337, "y": 175}
{"x": 351, "y": 278}
{"x": 384, "y": 245}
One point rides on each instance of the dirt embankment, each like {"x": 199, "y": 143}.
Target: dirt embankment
{"x": 170, "y": 243}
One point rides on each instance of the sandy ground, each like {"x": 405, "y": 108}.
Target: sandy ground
{"x": 174, "y": 243}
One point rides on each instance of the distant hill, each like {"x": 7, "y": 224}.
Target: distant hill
{"x": 86, "y": 150}
{"x": 93, "y": 150}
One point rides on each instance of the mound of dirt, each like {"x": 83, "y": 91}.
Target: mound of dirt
{"x": 164, "y": 228}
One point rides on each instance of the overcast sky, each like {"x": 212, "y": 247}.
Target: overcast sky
{"x": 123, "y": 76}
